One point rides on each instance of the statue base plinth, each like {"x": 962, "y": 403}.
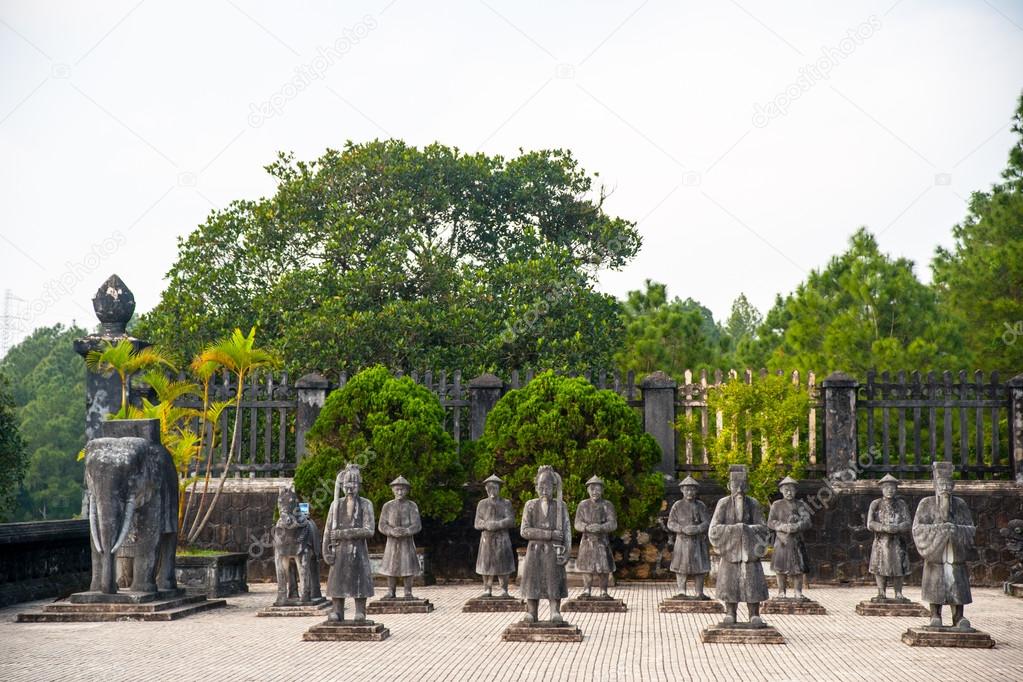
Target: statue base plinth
{"x": 542, "y": 631}
{"x": 1014, "y": 589}
{"x": 791, "y": 606}
{"x": 591, "y": 604}
{"x": 346, "y": 631}
{"x": 953, "y": 637}
{"x": 682, "y": 603}
{"x": 891, "y": 607}
{"x": 93, "y": 607}
{"x": 399, "y": 605}
{"x": 493, "y": 604}
{"x": 741, "y": 633}
{"x": 293, "y": 607}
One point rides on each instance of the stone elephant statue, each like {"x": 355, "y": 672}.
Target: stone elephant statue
{"x": 132, "y": 502}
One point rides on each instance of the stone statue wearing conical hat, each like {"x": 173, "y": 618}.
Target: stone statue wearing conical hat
{"x": 494, "y": 518}
{"x": 689, "y": 519}
{"x": 789, "y": 518}
{"x": 399, "y": 522}
{"x": 889, "y": 519}
{"x": 595, "y": 519}
{"x": 943, "y": 531}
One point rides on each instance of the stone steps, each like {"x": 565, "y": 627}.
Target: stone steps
{"x": 166, "y": 610}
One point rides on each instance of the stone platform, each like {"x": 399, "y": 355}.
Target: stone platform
{"x": 485, "y": 604}
{"x": 346, "y": 631}
{"x": 542, "y": 631}
{"x": 952, "y": 637}
{"x": 591, "y": 604}
{"x": 90, "y": 607}
{"x": 687, "y": 604}
{"x": 293, "y": 607}
{"x": 1014, "y": 589}
{"x": 790, "y": 606}
{"x": 741, "y": 633}
{"x": 891, "y": 607}
{"x": 399, "y": 605}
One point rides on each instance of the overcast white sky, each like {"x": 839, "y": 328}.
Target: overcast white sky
{"x": 123, "y": 124}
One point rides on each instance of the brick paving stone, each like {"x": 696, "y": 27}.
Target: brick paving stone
{"x": 233, "y": 645}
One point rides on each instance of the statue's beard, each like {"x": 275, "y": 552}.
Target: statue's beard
{"x": 943, "y": 504}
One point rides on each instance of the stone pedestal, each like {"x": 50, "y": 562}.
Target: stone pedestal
{"x": 891, "y": 607}
{"x": 947, "y": 637}
{"x": 293, "y": 607}
{"x": 542, "y": 631}
{"x": 790, "y": 606}
{"x": 89, "y": 607}
{"x": 591, "y": 604}
{"x": 741, "y": 633}
{"x": 346, "y": 631}
{"x": 399, "y": 605}
{"x": 1014, "y": 589}
{"x": 492, "y": 604}
{"x": 682, "y": 603}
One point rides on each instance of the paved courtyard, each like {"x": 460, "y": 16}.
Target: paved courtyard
{"x": 233, "y": 644}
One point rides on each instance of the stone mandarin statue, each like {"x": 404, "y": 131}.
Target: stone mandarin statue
{"x": 296, "y": 543}
{"x": 789, "y": 518}
{"x": 889, "y": 519}
{"x": 399, "y": 522}
{"x": 595, "y": 519}
{"x": 737, "y": 530}
{"x": 943, "y": 531}
{"x": 689, "y": 519}
{"x": 349, "y": 524}
{"x": 545, "y": 524}
{"x": 494, "y": 518}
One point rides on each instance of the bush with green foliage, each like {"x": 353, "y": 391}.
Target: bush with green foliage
{"x": 580, "y": 431}
{"x": 758, "y": 421}
{"x": 391, "y": 427}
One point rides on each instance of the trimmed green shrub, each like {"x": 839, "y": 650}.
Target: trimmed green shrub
{"x": 391, "y": 427}
{"x": 580, "y": 431}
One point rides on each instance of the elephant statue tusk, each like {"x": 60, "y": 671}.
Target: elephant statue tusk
{"x": 94, "y": 524}
{"x": 129, "y": 512}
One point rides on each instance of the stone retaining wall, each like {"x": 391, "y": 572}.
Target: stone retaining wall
{"x": 43, "y": 559}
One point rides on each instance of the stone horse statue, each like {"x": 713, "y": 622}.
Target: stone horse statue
{"x": 296, "y": 546}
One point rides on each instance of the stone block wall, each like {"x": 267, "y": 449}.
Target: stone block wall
{"x": 43, "y": 559}
{"x": 838, "y": 544}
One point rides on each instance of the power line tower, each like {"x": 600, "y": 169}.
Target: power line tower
{"x": 10, "y": 322}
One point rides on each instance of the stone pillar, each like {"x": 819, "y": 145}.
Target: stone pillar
{"x": 312, "y": 394}
{"x": 840, "y": 426}
{"x": 659, "y": 416}
{"x": 114, "y": 304}
{"x": 1016, "y": 425}
{"x": 484, "y": 392}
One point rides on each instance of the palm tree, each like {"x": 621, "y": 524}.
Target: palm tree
{"x": 238, "y": 355}
{"x": 126, "y": 361}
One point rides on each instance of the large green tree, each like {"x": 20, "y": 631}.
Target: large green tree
{"x": 864, "y": 310}
{"x": 48, "y": 386}
{"x": 12, "y": 452}
{"x": 980, "y": 279}
{"x": 383, "y": 252}
{"x": 667, "y": 335}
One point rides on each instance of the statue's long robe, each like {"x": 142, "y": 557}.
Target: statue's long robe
{"x": 594, "y": 549}
{"x": 889, "y": 555}
{"x": 496, "y": 556}
{"x": 400, "y": 557}
{"x": 350, "y": 574}
{"x": 541, "y": 576}
{"x": 741, "y": 541}
{"x": 691, "y": 554}
{"x": 945, "y": 578}
{"x": 789, "y": 555}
